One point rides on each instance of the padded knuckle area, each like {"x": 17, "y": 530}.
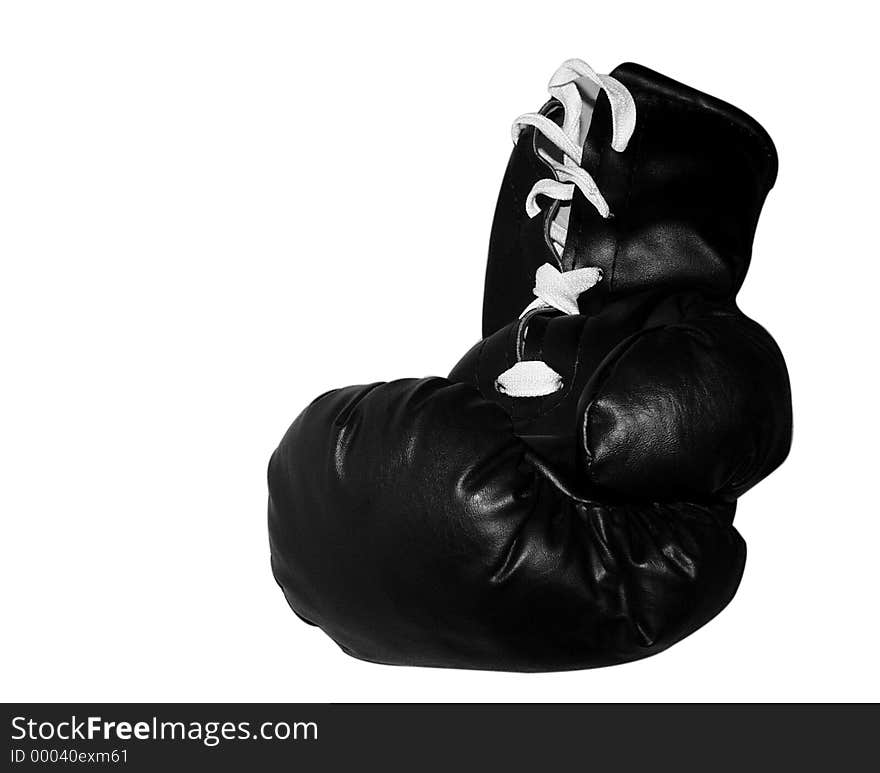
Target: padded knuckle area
{"x": 688, "y": 410}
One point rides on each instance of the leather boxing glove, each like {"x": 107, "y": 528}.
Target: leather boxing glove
{"x": 422, "y": 522}
{"x": 565, "y": 498}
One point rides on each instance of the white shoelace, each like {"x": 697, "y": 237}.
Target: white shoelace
{"x": 555, "y": 289}
{"x": 568, "y": 84}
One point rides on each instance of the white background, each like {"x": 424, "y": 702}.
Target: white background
{"x": 212, "y": 212}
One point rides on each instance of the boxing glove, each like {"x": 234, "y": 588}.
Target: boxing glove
{"x": 427, "y": 522}
{"x": 565, "y": 498}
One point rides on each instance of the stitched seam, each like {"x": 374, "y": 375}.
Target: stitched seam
{"x": 637, "y": 159}
{"x": 478, "y": 367}
{"x": 605, "y": 369}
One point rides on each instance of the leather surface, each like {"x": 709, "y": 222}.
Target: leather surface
{"x": 410, "y": 523}
{"x": 660, "y": 395}
{"x": 438, "y": 522}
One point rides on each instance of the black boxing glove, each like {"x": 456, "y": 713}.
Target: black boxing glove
{"x": 428, "y": 522}
{"x": 565, "y": 498}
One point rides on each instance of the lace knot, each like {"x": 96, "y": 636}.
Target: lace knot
{"x": 560, "y": 289}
